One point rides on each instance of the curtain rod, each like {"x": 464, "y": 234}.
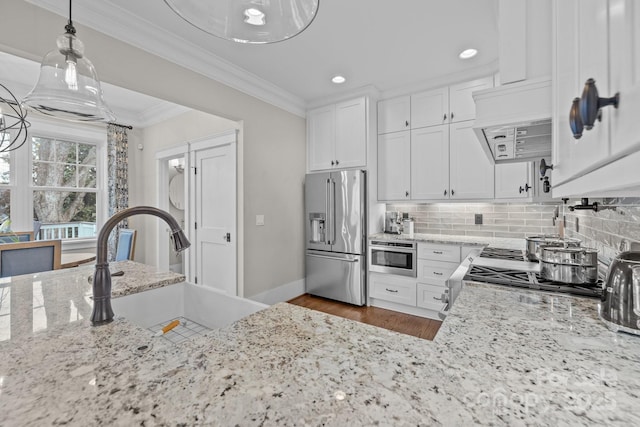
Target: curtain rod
{"x": 119, "y": 125}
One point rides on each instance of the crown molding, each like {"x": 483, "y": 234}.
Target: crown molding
{"x": 112, "y": 20}
{"x": 369, "y": 91}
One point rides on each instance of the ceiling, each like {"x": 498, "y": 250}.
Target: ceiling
{"x": 381, "y": 43}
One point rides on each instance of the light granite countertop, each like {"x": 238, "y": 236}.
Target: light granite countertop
{"x": 501, "y": 242}
{"x": 502, "y": 357}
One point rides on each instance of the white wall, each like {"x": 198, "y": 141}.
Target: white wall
{"x": 274, "y": 140}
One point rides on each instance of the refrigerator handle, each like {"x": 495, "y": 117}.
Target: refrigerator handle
{"x": 332, "y": 209}
{"x": 327, "y": 209}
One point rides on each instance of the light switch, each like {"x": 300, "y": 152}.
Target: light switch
{"x": 259, "y": 219}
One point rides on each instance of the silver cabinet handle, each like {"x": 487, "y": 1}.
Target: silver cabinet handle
{"x": 437, "y": 274}
{"x": 391, "y": 290}
{"x": 438, "y": 252}
{"x": 437, "y": 299}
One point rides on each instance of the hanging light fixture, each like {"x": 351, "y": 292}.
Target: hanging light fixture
{"x": 13, "y": 122}
{"x": 248, "y": 21}
{"x": 68, "y": 86}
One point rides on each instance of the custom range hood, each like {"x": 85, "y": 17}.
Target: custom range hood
{"x": 513, "y": 122}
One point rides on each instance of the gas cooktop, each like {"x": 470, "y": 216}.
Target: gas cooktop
{"x": 529, "y": 280}
{"x": 500, "y": 253}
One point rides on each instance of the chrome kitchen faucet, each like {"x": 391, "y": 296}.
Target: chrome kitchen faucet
{"x": 102, "y": 311}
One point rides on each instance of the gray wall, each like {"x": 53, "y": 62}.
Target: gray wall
{"x": 274, "y": 140}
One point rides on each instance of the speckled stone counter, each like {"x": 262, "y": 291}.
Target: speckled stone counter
{"x": 502, "y": 242}
{"x": 502, "y": 357}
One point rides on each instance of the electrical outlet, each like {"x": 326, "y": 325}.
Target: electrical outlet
{"x": 259, "y": 219}
{"x": 479, "y": 219}
{"x": 577, "y": 225}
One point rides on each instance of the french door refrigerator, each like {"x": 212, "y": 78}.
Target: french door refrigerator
{"x": 335, "y": 216}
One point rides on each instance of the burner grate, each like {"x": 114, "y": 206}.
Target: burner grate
{"x": 529, "y": 280}
{"x": 500, "y": 253}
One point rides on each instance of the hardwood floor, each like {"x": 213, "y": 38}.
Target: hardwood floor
{"x": 392, "y": 320}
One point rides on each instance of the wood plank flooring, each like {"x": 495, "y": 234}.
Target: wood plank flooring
{"x": 392, "y": 320}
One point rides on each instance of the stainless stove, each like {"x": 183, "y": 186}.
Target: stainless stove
{"x": 509, "y": 267}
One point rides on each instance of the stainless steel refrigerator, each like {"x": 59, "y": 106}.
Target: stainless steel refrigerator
{"x": 335, "y": 216}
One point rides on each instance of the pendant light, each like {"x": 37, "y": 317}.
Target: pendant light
{"x": 68, "y": 87}
{"x": 248, "y": 21}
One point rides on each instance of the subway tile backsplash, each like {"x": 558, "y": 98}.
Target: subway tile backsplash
{"x": 617, "y": 220}
{"x": 498, "y": 220}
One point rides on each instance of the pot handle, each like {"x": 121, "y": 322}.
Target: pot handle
{"x": 635, "y": 284}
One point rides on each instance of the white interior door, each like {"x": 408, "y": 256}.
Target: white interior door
{"x": 215, "y": 213}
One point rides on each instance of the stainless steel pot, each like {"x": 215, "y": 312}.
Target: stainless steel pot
{"x": 534, "y": 242}
{"x": 575, "y": 265}
{"x": 620, "y": 307}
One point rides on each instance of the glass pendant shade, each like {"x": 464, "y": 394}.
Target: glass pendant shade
{"x": 248, "y": 21}
{"x": 68, "y": 86}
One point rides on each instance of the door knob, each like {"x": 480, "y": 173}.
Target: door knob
{"x": 591, "y": 103}
{"x": 575, "y": 121}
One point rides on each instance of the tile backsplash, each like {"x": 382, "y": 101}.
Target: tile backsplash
{"x": 498, "y": 220}
{"x": 617, "y": 219}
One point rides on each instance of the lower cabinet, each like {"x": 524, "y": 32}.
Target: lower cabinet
{"x": 427, "y": 294}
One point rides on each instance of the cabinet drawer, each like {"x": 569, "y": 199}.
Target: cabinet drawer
{"x": 439, "y": 252}
{"x": 428, "y": 269}
{"x": 393, "y": 288}
{"x": 432, "y": 297}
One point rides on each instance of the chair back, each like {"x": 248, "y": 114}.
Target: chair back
{"x": 16, "y": 237}
{"x": 126, "y": 244}
{"x": 29, "y": 257}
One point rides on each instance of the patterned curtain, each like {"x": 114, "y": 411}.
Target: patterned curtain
{"x": 118, "y": 164}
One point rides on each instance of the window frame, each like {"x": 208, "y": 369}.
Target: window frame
{"x": 22, "y": 186}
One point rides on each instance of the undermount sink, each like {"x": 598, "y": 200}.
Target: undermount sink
{"x": 206, "y": 306}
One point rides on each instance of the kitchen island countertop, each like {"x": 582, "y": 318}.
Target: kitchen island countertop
{"x": 502, "y": 357}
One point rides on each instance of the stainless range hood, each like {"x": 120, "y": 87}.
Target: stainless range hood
{"x": 513, "y": 122}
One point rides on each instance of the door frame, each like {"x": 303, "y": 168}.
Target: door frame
{"x": 187, "y": 151}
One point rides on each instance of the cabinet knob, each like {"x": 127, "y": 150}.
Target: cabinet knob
{"x": 332, "y": 163}
{"x": 406, "y": 193}
{"x": 445, "y": 117}
{"x": 453, "y": 193}
{"x": 337, "y": 162}
{"x": 591, "y": 103}
{"x": 525, "y": 188}
{"x": 544, "y": 167}
{"x": 452, "y": 115}
{"x": 445, "y": 192}
{"x": 406, "y": 123}
{"x": 575, "y": 122}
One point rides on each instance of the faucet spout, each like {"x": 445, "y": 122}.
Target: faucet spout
{"x": 102, "y": 311}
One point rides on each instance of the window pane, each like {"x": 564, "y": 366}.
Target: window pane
{"x": 5, "y": 209}
{"x": 65, "y": 152}
{"x": 87, "y": 154}
{"x": 65, "y": 215}
{"x": 5, "y": 168}
{"x": 87, "y": 177}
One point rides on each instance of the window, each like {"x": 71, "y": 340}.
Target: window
{"x": 56, "y": 181}
{"x": 64, "y": 188}
{"x": 5, "y": 182}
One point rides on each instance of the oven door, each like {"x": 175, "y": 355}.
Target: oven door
{"x": 393, "y": 260}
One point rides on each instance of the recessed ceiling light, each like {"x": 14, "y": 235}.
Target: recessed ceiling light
{"x": 338, "y": 79}
{"x": 468, "y": 53}
{"x": 254, "y": 17}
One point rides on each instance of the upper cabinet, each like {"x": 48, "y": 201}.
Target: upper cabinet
{"x": 514, "y": 181}
{"x": 596, "y": 58}
{"x": 445, "y": 105}
{"x": 337, "y": 135}
{"x": 471, "y": 173}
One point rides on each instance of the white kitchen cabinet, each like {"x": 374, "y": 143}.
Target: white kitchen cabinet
{"x": 389, "y": 287}
{"x": 430, "y": 108}
{"x": 600, "y": 40}
{"x": 394, "y": 114}
{"x": 461, "y": 104}
{"x": 432, "y": 296}
{"x": 337, "y": 135}
{"x": 513, "y": 181}
{"x": 394, "y": 166}
{"x": 430, "y": 163}
{"x": 471, "y": 173}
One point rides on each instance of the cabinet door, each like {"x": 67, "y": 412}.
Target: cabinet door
{"x": 471, "y": 173}
{"x": 430, "y": 163}
{"x": 351, "y": 134}
{"x": 513, "y": 181}
{"x": 624, "y": 45}
{"x": 394, "y": 163}
{"x": 461, "y": 104}
{"x": 321, "y": 137}
{"x": 390, "y": 287}
{"x": 430, "y": 108}
{"x": 394, "y": 114}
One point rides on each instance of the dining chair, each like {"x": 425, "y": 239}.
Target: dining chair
{"x": 126, "y": 244}
{"x": 29, "y": 257}
{"x": 16, "y": 237}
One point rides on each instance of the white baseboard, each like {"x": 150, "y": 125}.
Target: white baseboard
{"x": 281, "y": 293}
